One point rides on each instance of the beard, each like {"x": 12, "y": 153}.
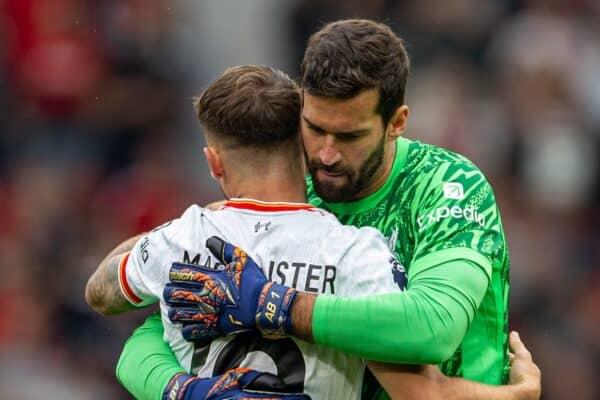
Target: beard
{"x": 357, "y": 180}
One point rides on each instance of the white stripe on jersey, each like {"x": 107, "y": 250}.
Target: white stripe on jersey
{"x": 295, "y": 246}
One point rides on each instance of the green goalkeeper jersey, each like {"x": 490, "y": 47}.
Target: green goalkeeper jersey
{"x": 436, "y": 205}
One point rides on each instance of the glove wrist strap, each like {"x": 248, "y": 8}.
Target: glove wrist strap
{"x": 273, "y": 317}
{"x": 177, "y": 386}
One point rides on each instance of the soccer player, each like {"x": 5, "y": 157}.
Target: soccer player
{"x": 435, "y": 207}
{"x": 251, "y": 122}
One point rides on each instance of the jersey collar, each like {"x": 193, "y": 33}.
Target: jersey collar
{"x": 265, "y": 206}
{"x": 366, "y": 203}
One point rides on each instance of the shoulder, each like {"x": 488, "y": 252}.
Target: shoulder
{"x": 369, "y": 265}
{"x": 188, "y": 221}
{"x": 195, "y": 215}
{"x": 194, "y": 211}
{"x": 440, "y": 163}
{"x": 364, "y": 240}
{"x": 434, "y": 170}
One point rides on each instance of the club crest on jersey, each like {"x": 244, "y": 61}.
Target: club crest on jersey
{"x": 399, "y": 273}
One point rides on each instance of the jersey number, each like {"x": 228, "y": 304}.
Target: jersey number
{"x": 291, "y": 368}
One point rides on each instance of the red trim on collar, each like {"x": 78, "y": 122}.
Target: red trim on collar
{"x": 255, "y": 205}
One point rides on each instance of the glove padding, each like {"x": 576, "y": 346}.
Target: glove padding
{"x": 235, "y": 384}
{"x": 215, "y": 302}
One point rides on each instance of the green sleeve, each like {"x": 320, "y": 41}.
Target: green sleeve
{"x": 147, "y": 363}
{"x": 422, "y": 325}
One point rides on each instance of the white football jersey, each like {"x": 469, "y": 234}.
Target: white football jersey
{"x": 296, "y": 245}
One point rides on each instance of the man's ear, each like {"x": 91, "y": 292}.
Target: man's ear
{"x": 398, "y": 122}
{"x": 215, "y": 162}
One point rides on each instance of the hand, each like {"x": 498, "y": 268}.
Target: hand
{"x": 236, "y": 298}
{"x": 235, "y": 384}
{"x": 524, "y": 374}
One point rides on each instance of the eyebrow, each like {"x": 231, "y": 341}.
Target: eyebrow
{"x": 321, "y": 129}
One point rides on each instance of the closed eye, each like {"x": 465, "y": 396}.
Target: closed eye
{"x": 342, "y": 136}
{"x": 348, "y": 137}
{"x": 316, "y": 129}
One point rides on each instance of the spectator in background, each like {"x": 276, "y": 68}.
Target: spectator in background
{"x": 87, "y": 115}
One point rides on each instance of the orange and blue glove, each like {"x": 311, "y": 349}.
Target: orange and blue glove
{"x": 235, "y": 384}
{"x": 216, "y": 302}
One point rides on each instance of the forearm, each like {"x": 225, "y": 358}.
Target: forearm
{"x": 302, "y": 313}
{"x": 102, "y": 291}
{"x": 407, "y": 382}
{"x": 147, "y": 363}
{"x": 462, "y": 389}
{"x": 423, "y": 325}
{"x": 427, "y": 382}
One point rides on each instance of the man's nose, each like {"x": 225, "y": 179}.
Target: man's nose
{"x": 329, "y": 154}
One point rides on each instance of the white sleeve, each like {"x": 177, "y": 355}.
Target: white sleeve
{"x": 144, "y": 270}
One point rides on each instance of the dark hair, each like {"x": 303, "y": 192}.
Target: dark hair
{"x": 252, "y": 104}
{"x": 346, "y": 57}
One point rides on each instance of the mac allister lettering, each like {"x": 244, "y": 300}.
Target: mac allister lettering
{"x": 303, "y": 276}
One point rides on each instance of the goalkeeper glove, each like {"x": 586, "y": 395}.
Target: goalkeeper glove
{"x": 235, "y": 384}
{"x": 237, "y": 298}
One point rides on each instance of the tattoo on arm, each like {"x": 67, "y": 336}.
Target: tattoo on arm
{"x": 103, "y": 292}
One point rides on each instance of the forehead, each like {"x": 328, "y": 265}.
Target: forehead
{"x": 335, "y": 114}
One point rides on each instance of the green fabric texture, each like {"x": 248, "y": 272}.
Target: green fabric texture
{"x": 435, "y": 202}
{"x": 147, "y": 363}
{"x": 423, "y": 325}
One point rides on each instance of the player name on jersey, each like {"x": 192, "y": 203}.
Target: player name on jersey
{"x": 303, "y": 276}
{"x": 314, "y": 278}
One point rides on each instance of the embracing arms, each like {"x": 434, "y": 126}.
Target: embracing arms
{"x": 103, "y": 292}
{"x": 147, "y": 364}
{"x": 427, "y": 382}
{"x": 423, "y": 325}
{"x": 155, "y": 362}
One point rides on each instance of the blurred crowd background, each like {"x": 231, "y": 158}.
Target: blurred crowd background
{"x": 98, "y": 142}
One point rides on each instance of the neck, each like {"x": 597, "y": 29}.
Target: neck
{"x": 285, "y": 186}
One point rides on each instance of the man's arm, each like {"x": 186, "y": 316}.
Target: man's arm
{"x": 147, "y": 365}
{"x": 128, "y": 277}
{"x": 103, "y": 291}
{"x": 427, "y": 382}
{"x": 149, "y": 371}
{"x": 423, "y": 325}
{"x": 412, "y": 385}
